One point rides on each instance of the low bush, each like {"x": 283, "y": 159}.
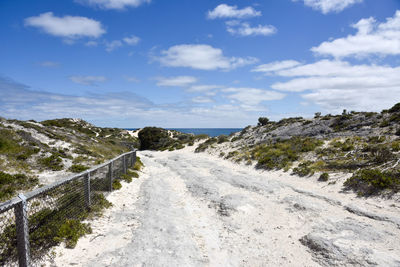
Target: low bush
{"x": 222, "y": 139}
{"x": 153, "y": 138}
{"x": 280, "y": 154}
{"x": 133, "y": 174}
{"x": 116, "y": 184}
{"x": 52, "y": 162}
{"x": 77, "y": 168}
{"x": 138, "y": 164}
{"x": 371, "y": 181}
{"x": 323, "y": 177}
{"x": 203, "y": 146}
{"x": 262, "y": 121}
{"x": 11, "y": 183}
{"x": 303, "y": 169}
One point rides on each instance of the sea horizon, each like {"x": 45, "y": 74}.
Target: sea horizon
{"x": 212, "y": 132}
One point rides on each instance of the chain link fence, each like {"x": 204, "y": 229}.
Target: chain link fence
{"x": 30, "y": 223}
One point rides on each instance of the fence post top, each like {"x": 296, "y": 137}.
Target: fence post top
{"x": 22, "y": 197}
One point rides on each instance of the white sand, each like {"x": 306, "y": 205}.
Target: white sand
{"x": 190, "y": 209}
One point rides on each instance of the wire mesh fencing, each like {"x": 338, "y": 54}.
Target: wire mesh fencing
{"x": 32, "y": 223}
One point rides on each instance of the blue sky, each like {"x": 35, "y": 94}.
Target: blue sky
{"x": 196, "y": 63}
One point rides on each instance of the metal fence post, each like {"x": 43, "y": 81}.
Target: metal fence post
{"x": 21, "y": 221}
{"x": 124, "y": 166}
{"x": 87, "y": 190}
{"x": 110, "y": 172}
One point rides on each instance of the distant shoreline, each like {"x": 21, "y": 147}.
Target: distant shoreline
{"x": 212, "y": 132}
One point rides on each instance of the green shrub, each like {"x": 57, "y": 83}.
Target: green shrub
{"x": 323, "y": 177}
{"x": 280, "y": 154}
{"x": 116, "y": 184}
{"x": 52, "y": 162}
{"x": 203, "y": 146}
{"x": 201, "y": 136}
{"x": 372, "y": 181}
{"x": 11, "y": 183}
{"x": 126, "y": 177}
{"x": 70, "y": 231}
{"x": 234, "y": 139}
{"x": 76, "y": 168}
{"x": 222, "y": 139}
{"x": 133, "y": 174}
{"x": 303, "y": 169}
{"x": 138, "y": 164}
{"x": 262, "y": 121}
{"x": 395, "y": 108}
{"x": 153, "y": 138}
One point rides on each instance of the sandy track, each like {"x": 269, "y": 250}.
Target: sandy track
{"x": 198, "y": 210}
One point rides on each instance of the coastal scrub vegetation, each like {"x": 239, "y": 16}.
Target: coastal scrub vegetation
{"x": 154, "y": 138}
{"x": 366, "y": 144}
{"x": 34, "y": 147}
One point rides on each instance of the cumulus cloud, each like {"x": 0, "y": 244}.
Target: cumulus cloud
{"x": 250, "y": 98}
{"x": 203, "y": 57}
{"x": 275, "y": 66}
{"x": 371, "y": 38}
{"x": 328, "y": 6}
{"x": 118, "y": 109}
{"x": 18, "y": 101}
{"x": 336, "y": 85}
{"x": 202, "y": 99}
{"x": 244, "y": 29}
{"x": 110, "y": 46}
{"x": 227, "y": 11}
{"x": 91, "y": 43}
{"x": 113, "y": 4}
{"x": 88, "y": 80}
{"x": 181, "y": 81}
{"x": 202, "y": 88}
{"x": 70, "y": 27}
{"x": 133, "y": 40}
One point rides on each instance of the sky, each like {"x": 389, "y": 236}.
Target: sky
{"x": 196, "y": 63}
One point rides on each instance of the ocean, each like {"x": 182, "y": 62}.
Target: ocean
{"x": 209, "y": 131}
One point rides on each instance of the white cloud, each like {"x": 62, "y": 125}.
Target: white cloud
{"x": 371, "y": 38}
{"x": 91, "y": 43}
{"x": 202, "y": 57}
{"x": 131, "y": 79}
{"x": 226, "y": 11}
{"x": 336, "y": 85}
{"x": 202, "y": 88}
{"x": 68, "y": 26}
{"x": 49, "y": 64}
{"x": 118, "y": 109}
{"x": 251, "y": 97}
{"x": 202, "y": 99}
{"x": 275, "y": 66}
{"x": 176, "y": 81}
{"x": 110, "y": 46}
{"x": 327, "y": 6}
{"x": 244, "y": 29}
{"x": 113, "y": 4}
{"x": 133, "y": 40}
{"x": 88, "y": 80}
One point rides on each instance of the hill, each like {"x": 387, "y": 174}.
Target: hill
{"x": 34, "y": 153}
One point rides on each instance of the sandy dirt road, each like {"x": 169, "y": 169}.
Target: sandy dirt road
{"x": 191, "y": 209}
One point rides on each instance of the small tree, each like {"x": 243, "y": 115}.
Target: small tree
{"x": 317, "y": 115}
{"x": 262, "y": 121}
